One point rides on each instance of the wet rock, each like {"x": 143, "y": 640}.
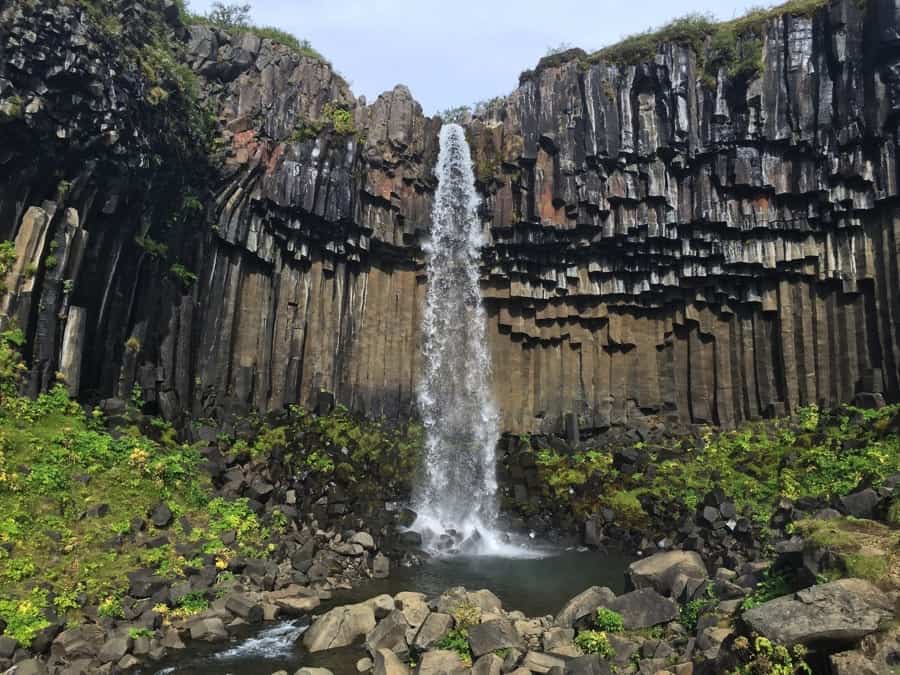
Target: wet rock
{"x": 842, "y": 611}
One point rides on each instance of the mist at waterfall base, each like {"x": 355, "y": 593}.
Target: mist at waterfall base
{"x": 456, "y": 501}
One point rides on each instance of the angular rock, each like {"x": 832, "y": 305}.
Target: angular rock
{"x": 584, "y": 604}
{"x": 339, "y": 627}
{"x": 209, "y": 630}
{"x": 644, "y": 608}
{"x": 388, "y": 663}
{"x": 661, "y": 570}
{"x": 440, "y": 662}
{"x": 490, "y": 636}
{"x": 842, "y": 611}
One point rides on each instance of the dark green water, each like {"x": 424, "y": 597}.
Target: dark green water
{"x": 535, "y": 586}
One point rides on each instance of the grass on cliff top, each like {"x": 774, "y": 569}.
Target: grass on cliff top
{"x": 865, "y": 549}
{"x": 814, "y": 454}
{"x": 734, "y": 44}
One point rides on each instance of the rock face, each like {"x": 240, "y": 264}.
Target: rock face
{"x": 339, "y": 627}
{"x": 838, "y": 612}
{"x": 654, "y": 242}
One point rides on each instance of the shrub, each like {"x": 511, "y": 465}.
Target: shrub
{"x": 595, "y": 642}
{"x": 766, "y": 658}
{"x": 184, "y": 276}
{"x": 111, "y": 608}
{"x": 25, "y": 617}
{"x": 457, "y": 640}
{"x": 609, "y": 621}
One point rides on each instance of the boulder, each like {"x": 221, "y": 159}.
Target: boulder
{"x": 306, "y": 670}
{"x": 644, "y": 608}
{"x": 661, "y": 571}
{"x": 489, "y": 664}
{"x": 161, "y": 515}
{"x": 440, "y": 662}
{"x": 209, "y": 630}
{"x": 339, "y": 627}
{"x": 245, "y": 607}
{"x": 590, "y": 664}
{"x": 381, "y": 566}
{"x": 390, "y": 633}
{"x": 842, "y": 611}
{"x": 536, "y": 662}
{"x": 388, "y": 663}
{"x": 853, "y": 663}
{"x": 363, "y": 539}
{"x": 435, "y": 626}
{"x": 7, "y": 647}
{"x": 114, "y": 649}
{"x": 297, "y": 606}
{"x": 860, "y": 504}
{"x": 490, "y": 636}
{"x": 484, "y": 599}
{"x": 29, "y": 667}
{"x": 585, "y": 603}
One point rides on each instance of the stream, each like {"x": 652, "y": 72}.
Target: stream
{"x": 535, "y": 586}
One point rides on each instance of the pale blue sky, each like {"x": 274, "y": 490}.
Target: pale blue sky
{"x": 458, "y": 52}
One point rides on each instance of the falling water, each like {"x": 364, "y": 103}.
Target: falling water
{"x": 456, "y": 502}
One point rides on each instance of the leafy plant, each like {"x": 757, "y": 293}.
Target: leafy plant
{"x": 25, "y": 617}
{"x": 767, "y": 658}
{"x": 457, "y": 640}
{"x": 184, "y": 276}
{"x": 770, "y": 587}
{"x": 111, "y": 607}
{"x": 595, "y": 642}
{"x": 609, "y": 621}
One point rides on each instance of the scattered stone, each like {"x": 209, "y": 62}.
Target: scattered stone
{"x": 489, "y": 664}
{"x": 390, "y": 633}
{"x": 249, "y": 610}
{"x": 536, "y": 662}
{"x": 363, "y": 539}
{"x": 114, "y": 649}
{"x": 161, "y": 515}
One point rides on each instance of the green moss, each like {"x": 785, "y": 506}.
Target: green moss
{"x": 184, "y": 276}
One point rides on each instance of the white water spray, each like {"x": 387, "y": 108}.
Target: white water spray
{"x": 456, "y": 504}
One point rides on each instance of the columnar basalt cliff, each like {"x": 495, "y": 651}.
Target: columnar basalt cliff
{"x": 659, "y": 240}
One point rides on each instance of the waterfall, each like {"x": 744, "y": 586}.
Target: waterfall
{"x": 456, "y": 502}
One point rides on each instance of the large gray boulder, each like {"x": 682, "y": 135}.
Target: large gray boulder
{"x": 209, "y": 630}
{"x": 644, "y": 608}
{"x": 667, "y": 572}
{"x": 435, "y": 626}
{"x": 841, "y": 611}
{"x": 490, "y": 636}
{"x": 339, "y": 627}
{"x": 440, "y": 662}
{"x": 390, "y": 633}
{"x": 584, "y": 604}
{"x": 489, "y": 664}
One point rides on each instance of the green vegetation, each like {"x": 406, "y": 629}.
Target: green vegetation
{"x": 235, "y": 18}
{"x": 735, "y": 45}
{"x": 595, "y": 642}
{"x": 152, "y": 247}
{"x": 11, "y": 108}
{"x": 184, "y": 276}
{"x": 457, "y": 640}
{"x": 814, "y": 454}
{"x": 864, "y": 549}
{"x": 335, "y": 117}
{"x": 770, "y": 587}
{"x": 763, "y": 657}
{"x": 67, "y": 486}
{"x": 609, "y": 621}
